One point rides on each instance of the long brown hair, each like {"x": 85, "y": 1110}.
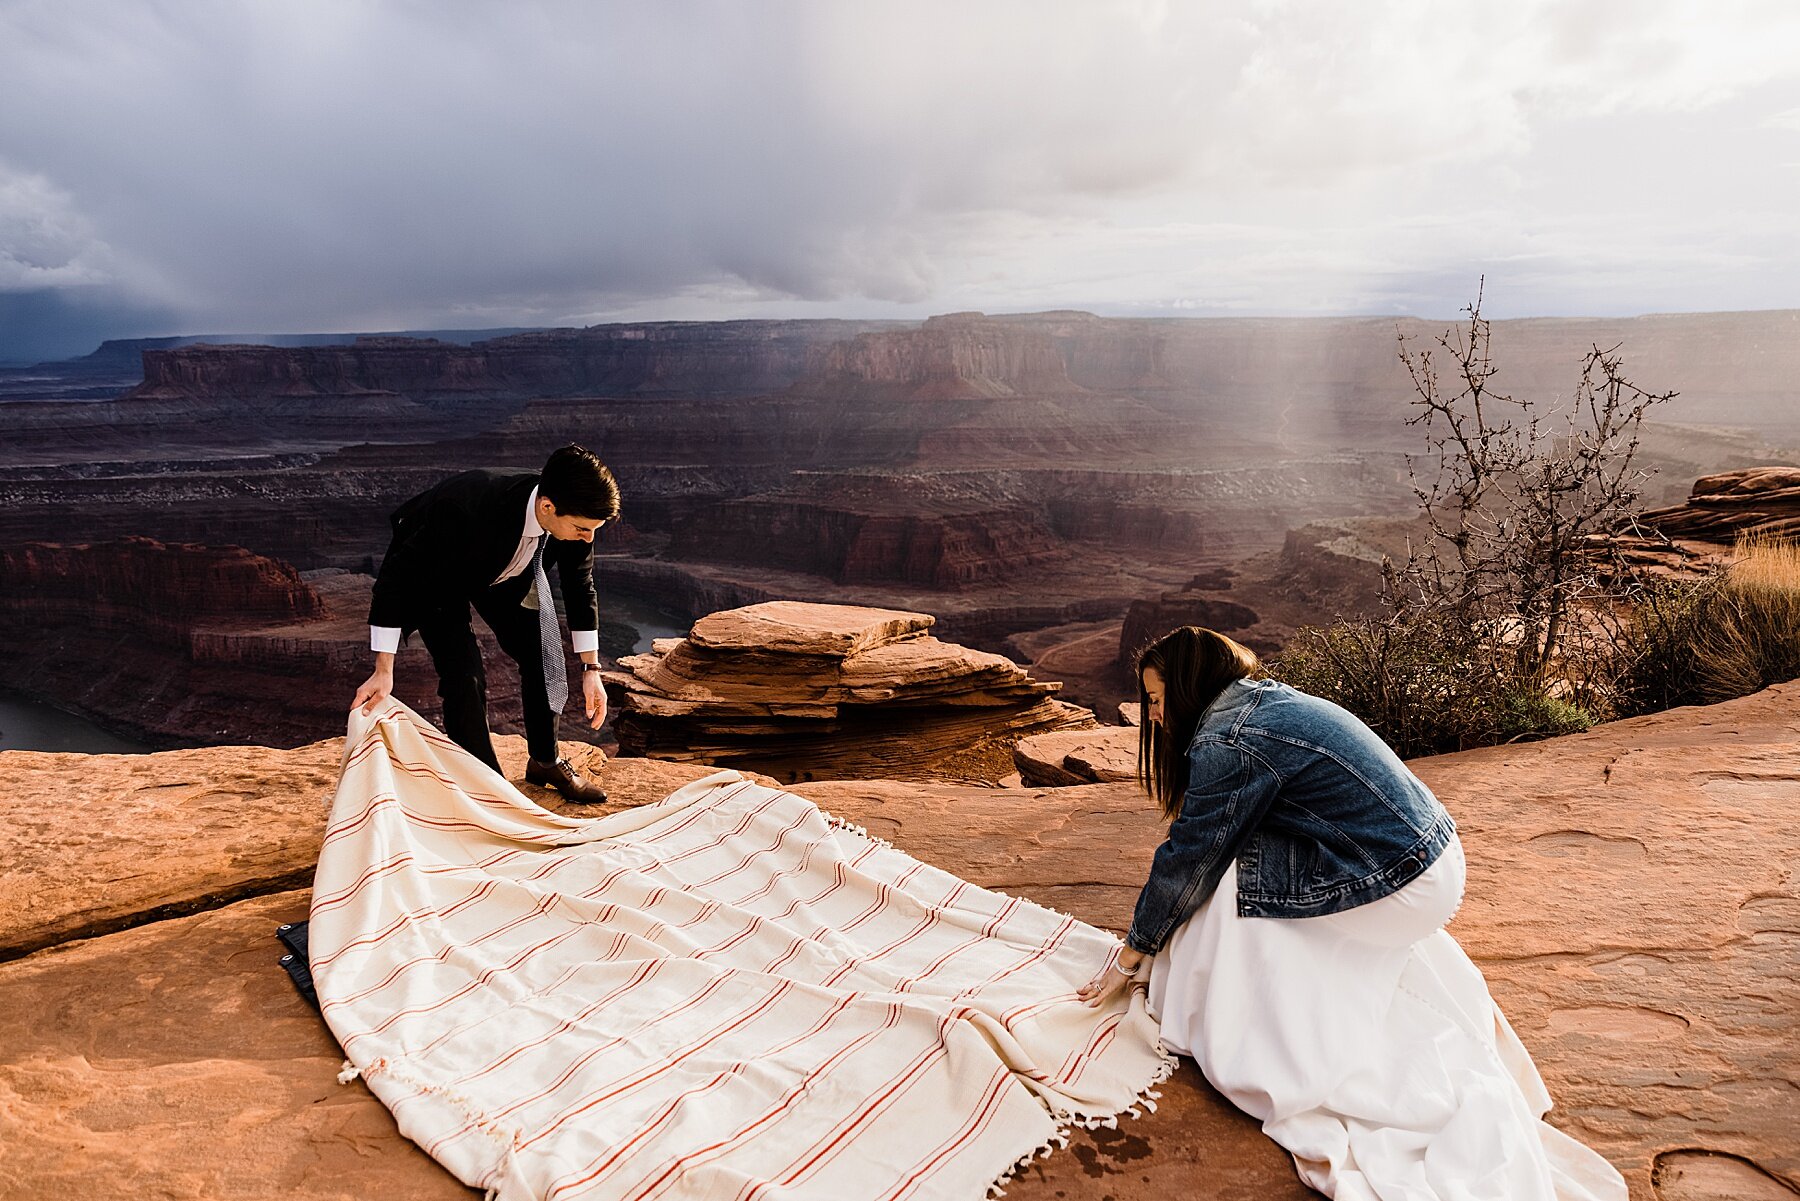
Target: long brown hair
{"x": 1196, "y": 664}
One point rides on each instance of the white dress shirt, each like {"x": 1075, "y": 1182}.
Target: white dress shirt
{"x": 387, "y": 638}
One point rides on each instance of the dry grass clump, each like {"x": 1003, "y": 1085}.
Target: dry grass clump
{"x": 1728, "y": 635}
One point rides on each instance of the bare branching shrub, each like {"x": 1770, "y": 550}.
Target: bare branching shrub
{"x": 1505, "y": 621}
{"x": 1407, "y": 674}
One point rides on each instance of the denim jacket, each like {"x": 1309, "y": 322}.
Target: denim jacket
{"x": 1319, "y": 813}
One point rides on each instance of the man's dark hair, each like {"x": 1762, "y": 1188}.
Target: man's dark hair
{"x": 579, "y": 484}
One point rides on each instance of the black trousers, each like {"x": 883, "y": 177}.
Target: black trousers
{"x": 462, "y": 680}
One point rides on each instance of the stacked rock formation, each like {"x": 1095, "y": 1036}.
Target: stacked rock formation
{"x": 1756, "y": 502}
{"x": 1691, "y": 538}
{"x": 806, "y": 692}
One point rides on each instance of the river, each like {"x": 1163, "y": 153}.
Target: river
{"x": 649, "y": 621}
{"x": 28, "y": 726}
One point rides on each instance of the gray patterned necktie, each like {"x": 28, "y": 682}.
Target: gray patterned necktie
{"x": 556, "y": 676}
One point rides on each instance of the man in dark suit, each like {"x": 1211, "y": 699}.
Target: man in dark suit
{"x": 486, "y": 539}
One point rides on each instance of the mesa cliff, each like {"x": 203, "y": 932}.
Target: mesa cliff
{"x": 729, "y": 358}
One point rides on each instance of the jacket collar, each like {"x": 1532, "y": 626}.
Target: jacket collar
{"x": 1233, "y": 697}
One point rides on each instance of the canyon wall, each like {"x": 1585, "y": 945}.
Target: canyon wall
{"x": 141, "y": 586}
{"x": 1006, "y": 473}
{"x": 1293, "y": 381}
{"x": 946, "y": 550}
{"x": 191, "y": 645}
{"x": 734, "y": 358}
{"x": 960, "y": 356}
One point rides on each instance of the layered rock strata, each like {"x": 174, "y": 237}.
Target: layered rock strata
{"x": 141, "y": 585}
{"x": 957, "y": 356}
{"x": 1307, "y": 380}
{"x": 1758, "y": 502}
{"x": 907, "y": 542}
{"x": 808, "y": 691}
{"x": 685, "y": 358}
{"x": 1698, "y": 536}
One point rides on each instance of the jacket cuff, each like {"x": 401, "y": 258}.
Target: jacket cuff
{"x": 384, "y": 639}
{"x": 1137, "y": 944}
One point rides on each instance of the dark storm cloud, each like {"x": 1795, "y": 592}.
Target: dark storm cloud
{"x": 62, "y": 323}
{"x": 339, "y": 165}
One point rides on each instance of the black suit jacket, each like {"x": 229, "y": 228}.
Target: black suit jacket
{"x": 452, "y": 539}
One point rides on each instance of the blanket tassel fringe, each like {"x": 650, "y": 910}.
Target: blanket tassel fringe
{"x": 1146, "y": 1098}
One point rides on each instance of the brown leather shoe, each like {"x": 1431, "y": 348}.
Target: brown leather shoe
{"x": 563, "y": 777}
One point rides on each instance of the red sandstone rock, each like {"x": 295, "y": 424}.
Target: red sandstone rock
{"x": 96, "y": 843}
{"x": 1631, "y": 902}
{"x": 177, "y": 1061}
{"x": 799, "y": 628}
{"x": 805, "y": 690}
{"x": 190, "y": 644}
{"x": 1759, "y": 501}
{"x": 1696, "y": 538}
{"x": 142, "y": 586}
{"x": 1104, "y": 756}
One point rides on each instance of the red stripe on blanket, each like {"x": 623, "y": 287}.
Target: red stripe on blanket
{"x": 978, "y": 1122}
{"x": 600, "y": 1166}
{"x": 645, "y": 1075}
{"x": 380, "y": 869}
{"x": 834, "y": 1140}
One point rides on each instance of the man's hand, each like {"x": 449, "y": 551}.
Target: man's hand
{"x": 377, "y": 687}
{"x": 594, "y": 693}
{"x": 1118, "y": 971}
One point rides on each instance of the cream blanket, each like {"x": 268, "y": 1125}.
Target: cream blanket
{"x": 724, "y": 995}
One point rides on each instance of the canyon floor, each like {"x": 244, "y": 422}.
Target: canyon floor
{"x": 1632, "y": 901}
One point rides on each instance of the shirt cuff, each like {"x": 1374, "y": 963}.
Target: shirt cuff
{"x": 584, "y": 640}
{"x": 384, "y": 639}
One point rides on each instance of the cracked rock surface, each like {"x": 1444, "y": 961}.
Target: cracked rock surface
{"x": 1632, "y": 901}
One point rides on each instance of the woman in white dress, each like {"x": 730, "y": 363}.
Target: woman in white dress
{"x": 1293, "y": 927}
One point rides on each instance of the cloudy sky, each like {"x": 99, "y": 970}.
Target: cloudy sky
{"x": 198, "y": 166}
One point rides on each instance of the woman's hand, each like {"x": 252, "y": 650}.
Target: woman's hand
{"x": 1121, "y": 966}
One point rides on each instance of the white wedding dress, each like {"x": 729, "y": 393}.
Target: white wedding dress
{"x": 1368, "y": 1046}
